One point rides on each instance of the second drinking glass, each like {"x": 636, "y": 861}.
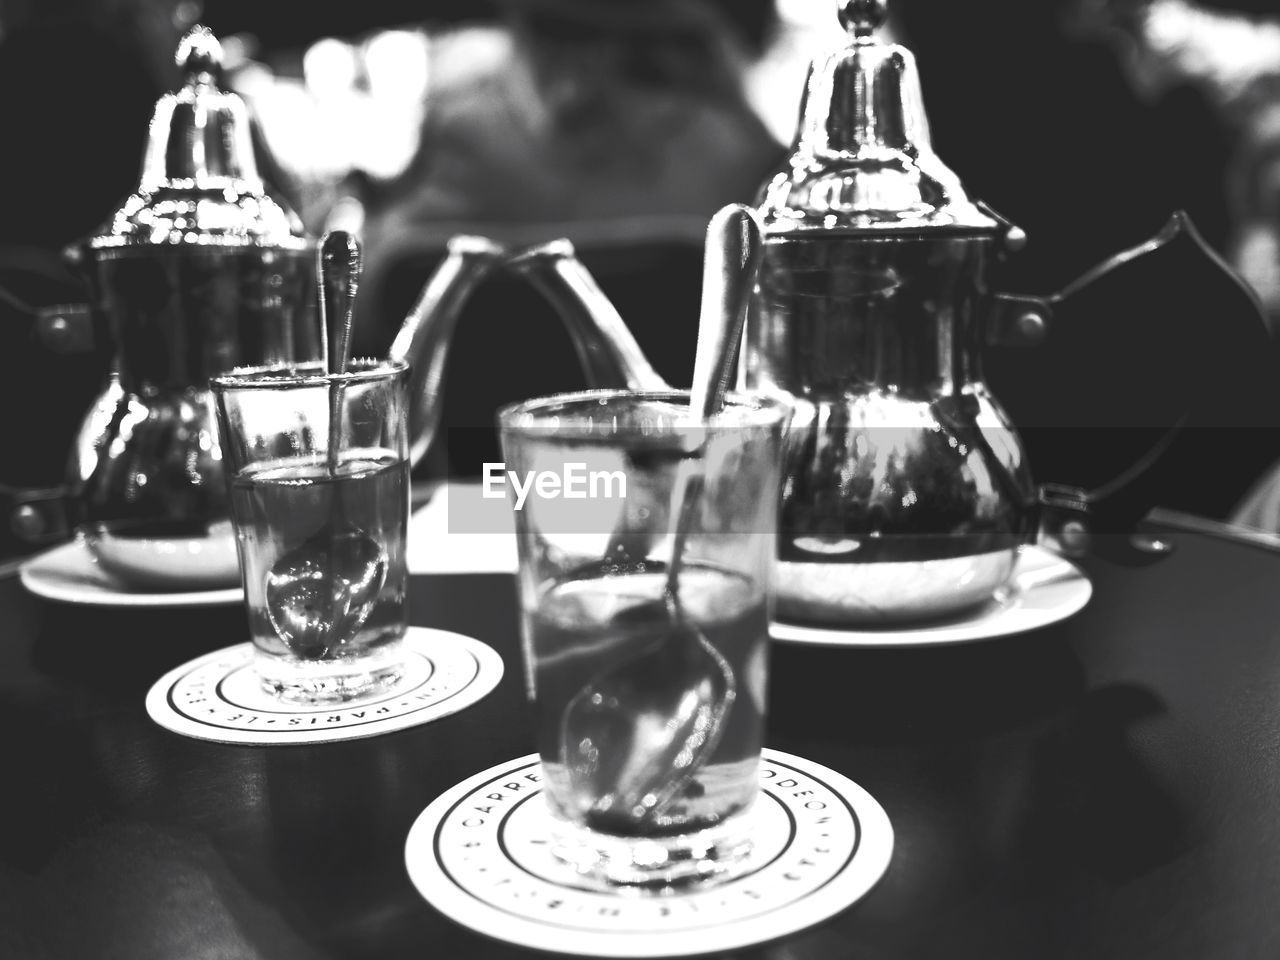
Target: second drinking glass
{"x": 649, "y": 688}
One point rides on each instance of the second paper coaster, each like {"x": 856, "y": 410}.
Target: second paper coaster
{"x": 479, "y": 855}
{"x": 218, "y": 696}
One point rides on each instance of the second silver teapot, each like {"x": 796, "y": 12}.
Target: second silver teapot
{"x": 907, "y": 492}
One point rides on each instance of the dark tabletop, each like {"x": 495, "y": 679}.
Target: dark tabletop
{"x": 1106, "y": 787}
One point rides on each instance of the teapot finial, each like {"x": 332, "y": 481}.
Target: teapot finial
{"x": 862, "y": 159}
{"x": 862, "y": 17}
{"x": 199, "y": 55}
{"x": 200, "y": 183}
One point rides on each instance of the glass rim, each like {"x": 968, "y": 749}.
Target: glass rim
{"x": 289, "y": 376}
{"x": 537, "y": 414}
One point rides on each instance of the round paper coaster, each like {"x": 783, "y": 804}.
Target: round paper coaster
{"x": 218, "y": 697}
{"x": 479, "y": 854}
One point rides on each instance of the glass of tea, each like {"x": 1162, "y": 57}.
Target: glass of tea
{"x": 318, "y": 471}
{"x": 646, "y": 650}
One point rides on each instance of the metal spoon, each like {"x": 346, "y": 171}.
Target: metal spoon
{"x": 633, "y": 737}
{"x": 321, "y": 592}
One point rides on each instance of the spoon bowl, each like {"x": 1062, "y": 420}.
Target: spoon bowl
{"x": 320, "y": 594}
{"x": 632, "y": 738}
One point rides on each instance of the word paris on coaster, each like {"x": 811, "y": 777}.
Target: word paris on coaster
{"x": 479, "y": 855}
{"x": 218, "y": 696}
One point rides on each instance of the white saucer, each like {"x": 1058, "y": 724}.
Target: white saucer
{"x": 1044, "y": 589}
{"x": 70, "y": 574}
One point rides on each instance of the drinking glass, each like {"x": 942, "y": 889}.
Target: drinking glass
{"x": 650, "y": 696}
{"x": 321, "y": 537}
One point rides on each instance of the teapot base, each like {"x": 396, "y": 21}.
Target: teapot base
{"x": 150, "y": 557}
{"x": 888, "y": 593}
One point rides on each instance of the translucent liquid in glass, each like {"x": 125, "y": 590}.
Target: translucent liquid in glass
{"x": 283, "y": 507}
{"x": 584, "y": 629}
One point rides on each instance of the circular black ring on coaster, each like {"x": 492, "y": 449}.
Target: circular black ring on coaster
{"x": 479, "y": 854}
{"x": 218, "y": 697}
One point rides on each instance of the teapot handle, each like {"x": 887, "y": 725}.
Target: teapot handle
{"x": 33, "y": 518}
{"x": 36, "y": 517}
{"x": 1014, "y": 319}
{"x": 607, "y": 351}
{"x": 1070, "y": 520}
{"x": 1018, "y": 320}
{"x": 1106, "y": 519}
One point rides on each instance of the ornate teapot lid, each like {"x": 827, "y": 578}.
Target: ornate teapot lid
{"x": 200, "y": 183}
{"x": 862, "y": 159}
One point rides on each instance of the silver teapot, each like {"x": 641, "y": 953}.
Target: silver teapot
{"x": 907, "y": 491}
{"x": 198, "y": 271}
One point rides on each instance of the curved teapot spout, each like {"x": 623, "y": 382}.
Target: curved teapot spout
{"x": 609, "y": 354}
{"x": 424, "y": 338}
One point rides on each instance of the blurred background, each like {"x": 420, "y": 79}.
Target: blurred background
{"x": 622, "y": 124}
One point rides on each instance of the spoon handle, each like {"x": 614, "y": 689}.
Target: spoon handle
{"x": 340, "y": 263}
{"x": 732, "y": 258}
{"x": 733, "y": 253}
